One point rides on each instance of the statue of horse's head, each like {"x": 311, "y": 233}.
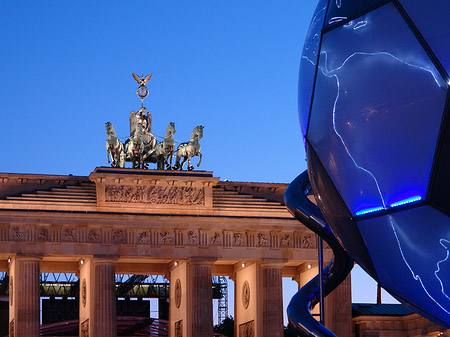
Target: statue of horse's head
{"x": 198, "y": 131}
{"x": 110, "y": 129}
{"x": 171, "y": 128}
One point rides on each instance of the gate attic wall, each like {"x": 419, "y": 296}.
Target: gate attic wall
{"x": 149, "y": 222}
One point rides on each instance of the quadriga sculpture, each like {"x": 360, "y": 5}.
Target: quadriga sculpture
{"x": 190, "y": 149}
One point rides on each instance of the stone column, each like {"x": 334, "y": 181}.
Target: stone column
{"x": 24, "y": 282}
{"x": 200, "y": 289}
{"x": 272, "y": 292}
{"x": 247, "y": 300}
{"x": 306, "y": 273}
{"x": 178, "y": 309}
{"x": 338, "y": 309}
{"x": 97, "y": 298}
{"x": 191, "y": 311}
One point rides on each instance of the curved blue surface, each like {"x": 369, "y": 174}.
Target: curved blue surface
{"x": 375, "y": 103}
{"x": 308, "y": 63}
{"x": 418, "y": 255}
{"x": 431, "y": 19}
{"x": 363, "y": 67}
{"x": 342, "y": 10}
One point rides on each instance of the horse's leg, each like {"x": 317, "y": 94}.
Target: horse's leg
{"x": 107, "y": 151}
{"x": 169, "y": 165}
{"x": 184, "y": 160}
{"x": 190, "y": 167}
{"x": 177, "y": 161}
{"x": 200, "y": 161}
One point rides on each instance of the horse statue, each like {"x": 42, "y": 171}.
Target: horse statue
{"x": 163, "y": 151}
{"x": 114, "y": 147}
{"x": 190, "y": 149}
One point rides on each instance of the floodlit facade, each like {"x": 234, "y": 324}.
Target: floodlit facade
{"x": 187, "y": 226}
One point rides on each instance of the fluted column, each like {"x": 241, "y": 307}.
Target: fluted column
{"x": 24, "y": 273}
{"x": 272, "y": 291}
{"x": 105, "y": 299}
{"x": 338, "y": 309}
{"x": 201, "y": 299}
{"x": 97, "y": 298}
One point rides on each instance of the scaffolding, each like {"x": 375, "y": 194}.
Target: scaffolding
{"x": 222, "y": 303}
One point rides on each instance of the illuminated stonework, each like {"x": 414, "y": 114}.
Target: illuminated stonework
{"x": 65, "y": 224}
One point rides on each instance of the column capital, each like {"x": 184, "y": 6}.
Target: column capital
{"x": 273, "y": 263}
{"x": 26, "y": 257}
{"x": 104, "y": 259}
{"x": 202, "y": 260}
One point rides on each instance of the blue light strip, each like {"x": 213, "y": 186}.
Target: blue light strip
{"x": 406, "y": 201}
{"x": 369, "y": 210}
{"x": 395, "y": 204}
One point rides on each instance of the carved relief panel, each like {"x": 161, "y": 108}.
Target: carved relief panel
{"x": 216, "y": 238}
{"x": 179, "y": 328}
{"x": 157, "y": 195}
{"x": 239, "y": 239}
{"x": 166, "y": 238}
{"x": 94, "y": 235}
{"x": 42, "y": 234}
{"x": 68, "y": 234}
{"x": 17, "y": 233}
{"x": 191, "y": 237}
{"x": 119, "y": 236}
{"x": 286, "y": 240}
{"x": 247, "y": 329}
{"x": 245, "y": 294}
{"x": 84, "y": 328}
{"x": 143, "y": 237}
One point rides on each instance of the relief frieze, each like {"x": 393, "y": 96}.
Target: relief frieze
{"x": 165, "y": 195}
{"x": 163, "y": 237}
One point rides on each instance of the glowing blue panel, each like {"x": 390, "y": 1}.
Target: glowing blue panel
{"x": 377, "y": 110}
{"x": 341, "y": 10}
{"x": 308, "y": 63}
{"x": 410, "y": 252}
{"x": 431, "y": 18}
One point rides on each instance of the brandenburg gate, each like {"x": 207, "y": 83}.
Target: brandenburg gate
{"x": 188, "y": 226}
{"x": 185, "y": 225}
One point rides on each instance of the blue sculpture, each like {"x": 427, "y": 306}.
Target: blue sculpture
{"x": 374, "y": 108}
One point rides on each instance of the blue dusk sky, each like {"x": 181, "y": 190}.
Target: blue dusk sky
{"x": 230, "y": 65}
